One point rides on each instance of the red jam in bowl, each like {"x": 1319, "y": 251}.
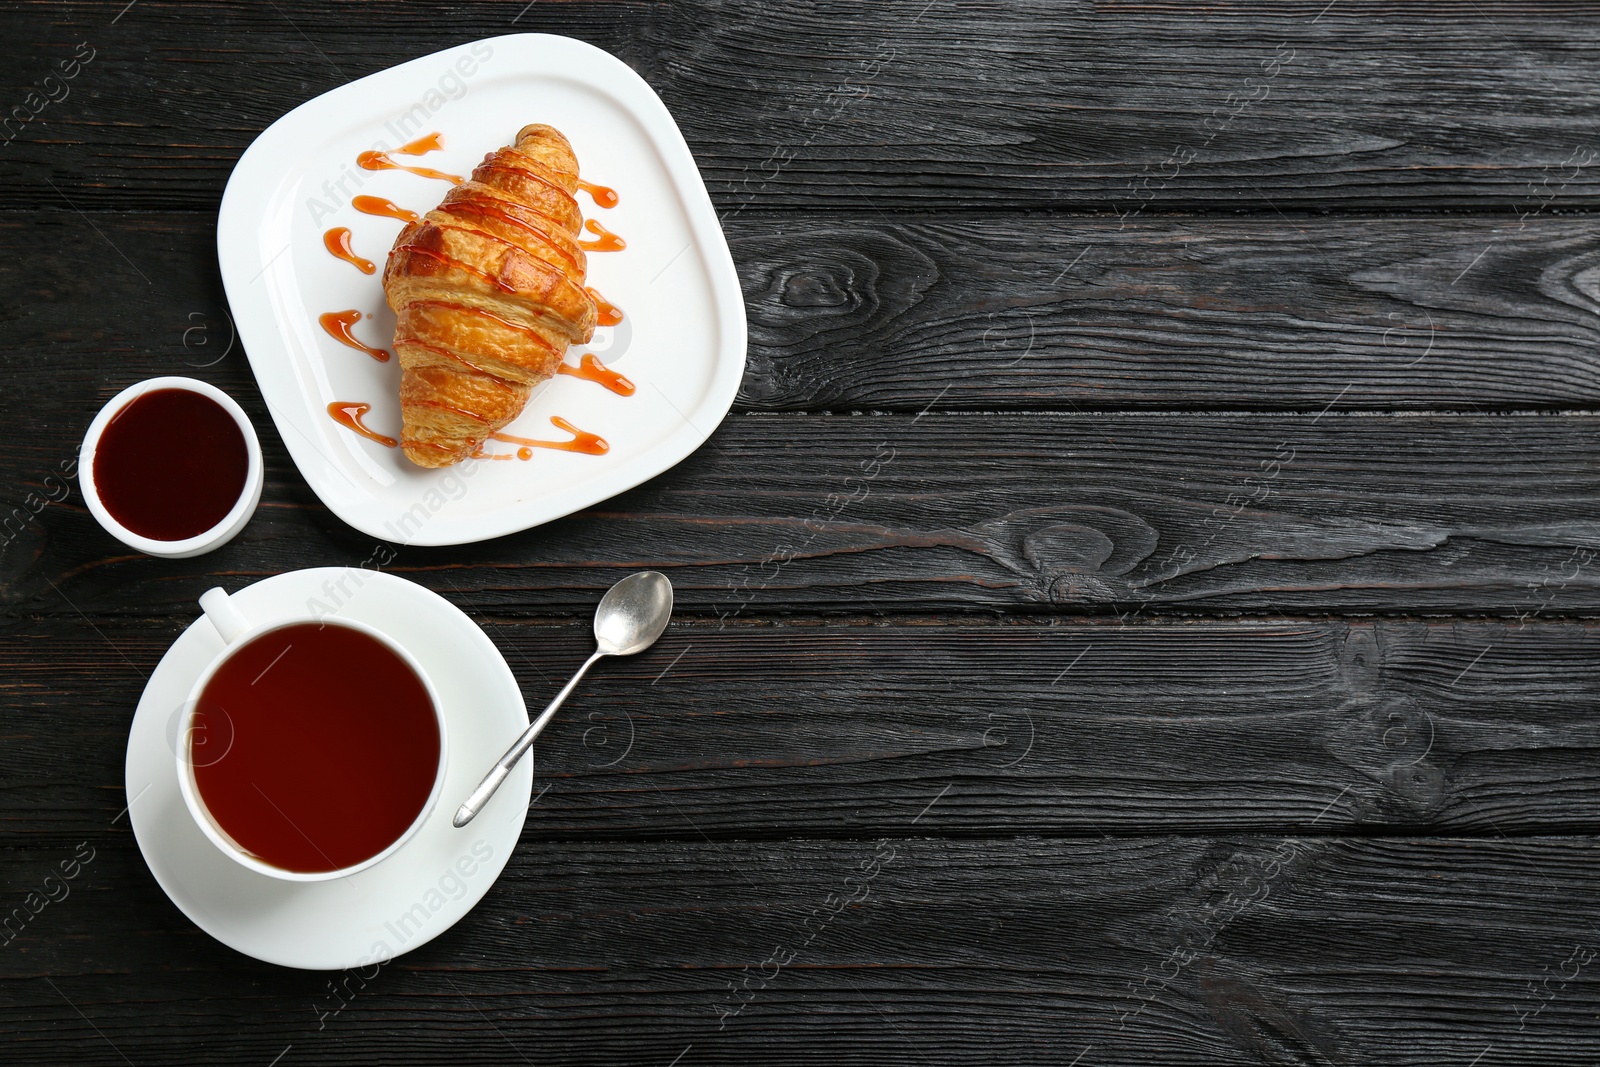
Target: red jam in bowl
{"x": 171, "y": 464}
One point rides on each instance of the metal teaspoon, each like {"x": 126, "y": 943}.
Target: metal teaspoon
{"x": 630, "y": 617}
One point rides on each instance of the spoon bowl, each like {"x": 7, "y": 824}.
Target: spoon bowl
{"x": 633, "y": 613}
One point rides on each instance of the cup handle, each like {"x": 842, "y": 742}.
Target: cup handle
{"x": 219, "y": 608}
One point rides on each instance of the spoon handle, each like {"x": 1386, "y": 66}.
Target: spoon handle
{"x": 491, "y": 781}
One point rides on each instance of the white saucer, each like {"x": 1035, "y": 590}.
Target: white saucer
{"x": 405, "y": 900}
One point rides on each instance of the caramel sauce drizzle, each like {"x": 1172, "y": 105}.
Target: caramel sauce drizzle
{"x": 607, "y": 313}
{"x": 604, "y": 196}
{"x": 451, "y": 261}
{"x": 499, "y": 161}
{"x": 381, "y": 161}
{"x": 590, "y": 369}
{"x": 338, "y": 324}
{"x": 377, "y": 205}
{"x": 450, "y": 305}
{"x": 412, "y": 342}
{"x": 608, "y": 242}
{"x": 515, "y": 248}
{"x": 582, "y": 441}
{"x": 337, "y": 241}
{"x": 472, "y": 207}
{"x": 349, "y": 415}
{"x": 422, "y": 145}
{"x": 439, "y": 405}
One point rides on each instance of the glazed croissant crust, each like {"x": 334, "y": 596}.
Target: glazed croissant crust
{"x": 488, "y": 292}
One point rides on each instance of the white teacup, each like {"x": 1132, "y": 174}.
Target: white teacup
{"x": 237, "y": 631}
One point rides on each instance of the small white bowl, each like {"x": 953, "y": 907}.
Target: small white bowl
{"x": 218, "y": 535}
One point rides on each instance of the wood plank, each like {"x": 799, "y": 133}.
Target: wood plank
{"x": 999, "y": 313}
{"x": 899, "y": 951}
{"x": 1004, "y": 313}
{"x": 1038, "y": 513}
{"x": 905, "y": 105}
{"x": 815, "y": 728}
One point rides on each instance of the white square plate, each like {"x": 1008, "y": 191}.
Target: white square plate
{"x": 682, "y": 340}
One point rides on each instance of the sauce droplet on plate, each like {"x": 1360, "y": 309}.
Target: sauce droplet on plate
{"x": 604, "y": 196}
{"x": 589, "y": 444}
{"x": 337, "y": 241}
{"x": 590, "y": 369}
{"x": 422, "y": 146}
{"x": 338, "y": 324}
{"x": 377, "y": 205}
{"x": 349, "y": 416}
{"x": 608, "y": 242}
{"x": 381, "y": 161}
{"x": 171, "y": 464}
{"x": 608, "y": 313}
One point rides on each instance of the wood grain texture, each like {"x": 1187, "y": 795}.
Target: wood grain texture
{"x": 1223, "y": 950}
{"x": 1030, "y": 312}
{"x": 836, "y": 728}
{"x": 904, "y": 105}
{"x": 1000, "y": 313}
{"x": 1143, "y": 610}
{"x": 1040, "y": 513}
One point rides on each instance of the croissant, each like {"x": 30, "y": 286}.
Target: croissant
{"x": 487, "y": 290}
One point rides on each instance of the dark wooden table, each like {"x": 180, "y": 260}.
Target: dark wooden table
{"x": 1142, "y": 608}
